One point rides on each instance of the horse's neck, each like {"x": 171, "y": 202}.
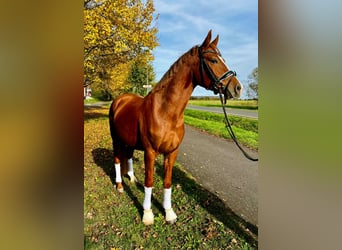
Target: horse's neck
{"x": 173, "y": 92}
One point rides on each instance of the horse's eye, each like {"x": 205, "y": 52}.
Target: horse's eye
{"x": 213, "y": 60}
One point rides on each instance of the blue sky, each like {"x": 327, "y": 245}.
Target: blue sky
{"x": 184, "y": 23}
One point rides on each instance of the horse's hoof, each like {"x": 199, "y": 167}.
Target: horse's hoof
{"x": 132, "y": 178}
{"x": 148, "y": 217}
{"x": 172, "y": 221}
{"x": 119, "y": 187}
{"x": 170, "y": 216}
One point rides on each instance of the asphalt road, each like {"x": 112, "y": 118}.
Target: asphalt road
{"x": 238, "y": 112}
{"x": 222, "y": 169}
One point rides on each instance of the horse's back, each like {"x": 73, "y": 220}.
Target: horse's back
{"x": 124, "y": 118}
{"x": 126, "y": 102}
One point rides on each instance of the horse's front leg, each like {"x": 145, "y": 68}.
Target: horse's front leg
{"x": 149, "y": 157}
{"x": 169, "y": 160}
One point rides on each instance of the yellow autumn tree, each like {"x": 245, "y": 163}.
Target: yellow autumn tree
{"x": 118, "y": 76}
{"x": 116, "y": 32}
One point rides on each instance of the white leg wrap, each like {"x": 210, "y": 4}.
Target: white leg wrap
{"x": 167, "y": 198}
{"x": 130, "y": 170}
{"x": 147, "y": 199}
{"x": 130, "y": 166}
{"x": 170, "y": 215}
{"x": 148, "y": 217}
{"x": 117, "y": 172}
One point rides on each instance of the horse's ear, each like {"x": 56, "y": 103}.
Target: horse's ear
{"x": 215, "y": 41}
{"x": 207, "y": 40}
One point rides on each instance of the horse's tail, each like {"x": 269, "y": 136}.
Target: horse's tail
{"x": 111, "y": 122}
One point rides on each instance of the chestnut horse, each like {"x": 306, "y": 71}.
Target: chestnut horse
{"x": 155, "y": 124}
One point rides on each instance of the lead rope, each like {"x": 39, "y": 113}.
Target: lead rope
{"x": 230, "y": 130}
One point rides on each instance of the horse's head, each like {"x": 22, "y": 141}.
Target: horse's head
{"x": 214, "y": 73}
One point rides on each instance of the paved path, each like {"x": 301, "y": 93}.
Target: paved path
{"x": 221, "y": 168}
{"x": 238, "y": 112}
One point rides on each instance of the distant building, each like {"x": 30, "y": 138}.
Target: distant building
{"x": 87, "y": 92}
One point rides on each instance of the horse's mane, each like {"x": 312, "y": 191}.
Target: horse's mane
{"x": 174, "y": 68}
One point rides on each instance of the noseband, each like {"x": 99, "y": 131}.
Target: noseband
{"x": 216, "y": 83}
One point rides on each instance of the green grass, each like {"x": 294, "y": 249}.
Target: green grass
{"x": 239, "y": 104}
{"x": 245, "y": 129}
{"x": 92, "y": 100}
{"x": 113, "y": 220}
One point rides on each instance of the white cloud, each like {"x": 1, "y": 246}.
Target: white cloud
{"x": 183, "y": 24}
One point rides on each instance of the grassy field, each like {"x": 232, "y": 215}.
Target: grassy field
{"x": 245, "y": 129}
{"x": 113, "y": 220}
{"x": 91, "y": 100}
{"x": 239, "y": 104}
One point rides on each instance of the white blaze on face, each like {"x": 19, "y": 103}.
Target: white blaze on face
{"x": 235, "y": 91}
{"x": 241, "y": 87}
{"x": 230, "y": 87}
{"x": 222, "y": 60}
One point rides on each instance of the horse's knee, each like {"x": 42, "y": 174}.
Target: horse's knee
{"x": 167, "y": 184}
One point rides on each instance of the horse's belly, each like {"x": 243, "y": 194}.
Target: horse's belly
{"x": 126, "y": 131}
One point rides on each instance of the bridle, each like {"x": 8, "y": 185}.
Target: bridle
{"x": 216, "y": 83}
{"x": 218, "y": 87}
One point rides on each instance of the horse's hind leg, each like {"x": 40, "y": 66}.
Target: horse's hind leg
{"x": 118, "y": 178}
{"x": 130, "y": 166}
{"x": 123, "y": 156}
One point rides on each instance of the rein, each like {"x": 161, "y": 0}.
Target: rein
{"x": 231, "y": 132}
{"x": 217, "y": 88}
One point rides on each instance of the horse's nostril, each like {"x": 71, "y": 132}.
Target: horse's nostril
{"x": 238, "y": 88}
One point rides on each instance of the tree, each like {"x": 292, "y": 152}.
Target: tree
{"x": 113, "y": 82}
{"x": 141, "y": 73}
{"x": 116, "y": 32}
{"x": 252, "y": 90}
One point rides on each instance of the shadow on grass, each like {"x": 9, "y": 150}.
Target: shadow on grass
{"x": 104, "y": 158}
{"x": 213, "y": 204}
{"x": 209, "y": 201}
{"x": 94, "y": 112}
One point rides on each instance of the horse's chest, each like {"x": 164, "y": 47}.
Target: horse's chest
{"x": 166, "y": 138}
